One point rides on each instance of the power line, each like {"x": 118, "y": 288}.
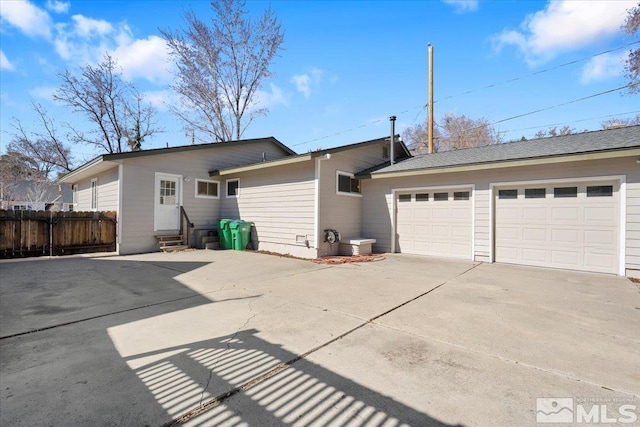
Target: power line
{"x": 535, "y": 73}
{"x": 422, "y": 108}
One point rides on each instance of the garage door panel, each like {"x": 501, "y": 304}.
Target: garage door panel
{"x": 566, "y": 258}
{"x": 559, "y": 235}
{"x": 565, "y": 213}
{"x": 600, "y": 237}
{"x": 603, "y": 214}
{"x": 533, "y": 254}
{"x": 534, "y": 213}
{"x": 534, "y": 234}
{"x": 580, "y": 232}
{"x": 435, "y": 227}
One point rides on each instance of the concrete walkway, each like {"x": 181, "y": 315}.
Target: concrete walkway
{"x": 230, "y": 338}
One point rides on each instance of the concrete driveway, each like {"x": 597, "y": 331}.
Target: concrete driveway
{"x": 230, "y": 338}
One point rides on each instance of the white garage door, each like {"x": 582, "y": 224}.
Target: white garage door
{"x": 437, "y": 223}
{"x": 566, "y": 225}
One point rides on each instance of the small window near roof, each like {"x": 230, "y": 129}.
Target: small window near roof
{"x": 404, "y": 197}
{"x": 348, "y": 184}
{"x": 600, "y": 191}
{"x": 422, "y": 197}
{"x": 461, "y": 195}
{"x": 233, "y": 187}
{"x": 535, "y": 193}
{"x": 439, "y": 197}
{"x": 206, "y": 189}
{"x": 507, "y": 194}
{"x": 385, "y": 151}
{"x": 560, "y": 192}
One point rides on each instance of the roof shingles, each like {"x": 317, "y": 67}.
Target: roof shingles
{"x": 580, "y": 143}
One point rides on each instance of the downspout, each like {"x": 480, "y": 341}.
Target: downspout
{"x": 316, "y": 214}
{"x": 119, "y": 211}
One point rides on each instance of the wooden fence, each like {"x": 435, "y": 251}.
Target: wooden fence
{"x": 38, "y": 233}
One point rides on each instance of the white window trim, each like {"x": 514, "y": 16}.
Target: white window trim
{"x": 343, "y": 193}
{"x": 226, "y": 188}
{"x": 94, "y": 196}
{"x": 208, "y": 181}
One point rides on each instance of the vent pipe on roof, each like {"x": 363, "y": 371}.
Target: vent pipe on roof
{"x": 392, "y": 155}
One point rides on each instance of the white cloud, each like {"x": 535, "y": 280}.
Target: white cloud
{"x": 264, "y": 99}
{"x": 160, "y": 99}
{"x": 565, "y": 25}
{"x": 305, "y": 82}
{"x": 146, "y": 58}
{"x": 5, "y": 64}
{"x": 88, "y": 27}
{"x": 462, "y": 6}
{"x": 302, "y": 82}
{"x": 25, "y": 16}
{"x": 43, "y": 92}
{"x": 603, "y": 67}
{"x": 58, "y": 6}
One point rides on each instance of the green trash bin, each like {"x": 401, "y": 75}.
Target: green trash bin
{"x": 240, "y": 234}
{"x": 224, "y": 231}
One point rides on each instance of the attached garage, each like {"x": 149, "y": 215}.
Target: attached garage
{"x": 564, "y": 224}
{"x": 436, "y": 222}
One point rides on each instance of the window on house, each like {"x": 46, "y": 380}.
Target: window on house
{"x": 167, "y": 192}
{"x": 565, "y": 192}
{"x": 386, "y": 148}
{"x": 439, "y": 197}
{"x": 206, "y": 189}
{"x": 461, "y": 195}
{"x": 422, "y": 197}
{"x": 348, "y": 184}
{"x": 70, "y": 207}
{"x": 535, "y": 193}
{"x": 94, "y": 194}
{"x": 404, "y": 197}
{"x": 507, "y": 194}
{"x": 20, "y": 208}
{"x": 233, "y": 187}
{"x": 600, "y": 191}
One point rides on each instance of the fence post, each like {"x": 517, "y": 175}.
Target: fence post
{"x": 50, "y": 233}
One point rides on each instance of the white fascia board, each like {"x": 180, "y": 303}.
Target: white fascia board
{"x": 257, "y": 166}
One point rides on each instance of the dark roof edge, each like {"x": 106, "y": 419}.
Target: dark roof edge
{"x": 142, "y": 153}
{"x": 362, "y": 143}
{"x": 367, "y": 173}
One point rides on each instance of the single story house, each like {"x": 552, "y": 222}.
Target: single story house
{"x": 35, "y": 196}
{"x": 564, "y": 202}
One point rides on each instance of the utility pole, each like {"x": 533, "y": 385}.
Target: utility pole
{"x": 430, "y": 103}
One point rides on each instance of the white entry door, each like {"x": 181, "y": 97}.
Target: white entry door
{"x": 167, "y": 202}
{"x": 435, "y": 222}
{"x": 570, "y": 225}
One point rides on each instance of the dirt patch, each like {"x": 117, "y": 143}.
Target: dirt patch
{"x": 348, "y": 259}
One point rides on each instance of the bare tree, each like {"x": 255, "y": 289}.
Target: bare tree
{"x": 632, "y": 67}
{"x": 115, "y": 108}
{"x": 220, "y": 67}
{"x": 618, "y": 123}
{"x": 454, "y": 133}
{"x": 43, "y": 150}
{"x": 555, "y": 131}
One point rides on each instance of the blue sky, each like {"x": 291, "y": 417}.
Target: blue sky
{"x": 346, "y": 65}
